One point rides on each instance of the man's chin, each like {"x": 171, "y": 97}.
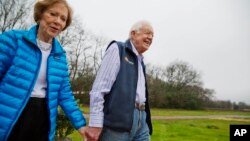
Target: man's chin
{"x": 146, "y": 47}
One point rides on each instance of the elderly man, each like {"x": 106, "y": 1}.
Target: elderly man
{"x": 119, "y": 109}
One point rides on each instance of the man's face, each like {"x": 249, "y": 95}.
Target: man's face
{"x": 143, "y": 38}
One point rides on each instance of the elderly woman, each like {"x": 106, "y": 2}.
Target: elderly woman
{"x": 34, "y": 77}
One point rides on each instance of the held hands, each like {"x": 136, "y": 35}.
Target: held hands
{"x": 92, "y": 133}
{"x": 82, "y": 131}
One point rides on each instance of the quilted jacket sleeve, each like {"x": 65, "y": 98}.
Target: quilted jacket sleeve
{"x": 69, "y": 105}
{"x": 7, "y": 51}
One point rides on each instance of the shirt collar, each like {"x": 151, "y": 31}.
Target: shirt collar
{"x": 140, "y": 57}
{"x": 31, "y": 36}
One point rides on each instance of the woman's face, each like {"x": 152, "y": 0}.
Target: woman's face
{"x": 52, "y": 22}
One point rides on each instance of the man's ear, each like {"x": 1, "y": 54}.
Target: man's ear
{"x": 132, "y": 33}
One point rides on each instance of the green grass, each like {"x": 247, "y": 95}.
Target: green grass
{"x": 174, "y": 112}
{"x": 188, "y": 130}
{"x": 192, "y": 130}
{"x": 84, "y": 109}
{"x": 75, "y": 136}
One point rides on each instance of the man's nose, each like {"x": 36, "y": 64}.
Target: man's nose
{"x": 150, "y": 36}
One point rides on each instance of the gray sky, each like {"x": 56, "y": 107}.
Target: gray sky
{"x": 211, "y": 35}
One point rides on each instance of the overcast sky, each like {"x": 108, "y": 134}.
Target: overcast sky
{"x": 211, "y": 35}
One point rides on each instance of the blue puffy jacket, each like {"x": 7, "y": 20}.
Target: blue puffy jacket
{"x": 20, "y": 60}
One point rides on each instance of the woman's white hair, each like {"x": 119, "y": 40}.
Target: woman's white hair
{"x": 138, "y": 25}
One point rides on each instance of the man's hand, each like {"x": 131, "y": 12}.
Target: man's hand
{"x": 93, "y": 133}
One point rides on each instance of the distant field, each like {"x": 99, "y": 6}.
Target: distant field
{"x": 175, "y": 112}
{"x": 189, "y": 130}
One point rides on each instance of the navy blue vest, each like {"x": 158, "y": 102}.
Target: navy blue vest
{"x": 120, "y": 102}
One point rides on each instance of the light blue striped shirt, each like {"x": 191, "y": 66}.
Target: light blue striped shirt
{"x": 105, "y": 78}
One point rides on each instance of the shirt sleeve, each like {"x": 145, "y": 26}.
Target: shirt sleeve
{"x": 105, "y": 78}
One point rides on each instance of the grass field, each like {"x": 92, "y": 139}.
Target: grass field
{"x": 190, "y": 130}
{"x": 193, "y": 130}
{"x": 174, "y": 112}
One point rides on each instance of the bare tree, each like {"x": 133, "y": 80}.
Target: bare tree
{"x": 156, "y": 72}
{"x": 156, "y": 85}
{"x": 75, "y": 41}
{"x": 99, "y": 43}
{"x": 84, "y": 51}
{"x": 181, "y": 74}
{"x": 14, "y": 14}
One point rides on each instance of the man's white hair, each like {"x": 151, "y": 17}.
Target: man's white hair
{"x": 138, "y": 25}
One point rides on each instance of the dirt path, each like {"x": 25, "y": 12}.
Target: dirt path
{"x": 225, "y": 117}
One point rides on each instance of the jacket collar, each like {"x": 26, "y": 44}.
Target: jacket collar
{"x": 128, "y": 45}
{"x": 31, "y": 36}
